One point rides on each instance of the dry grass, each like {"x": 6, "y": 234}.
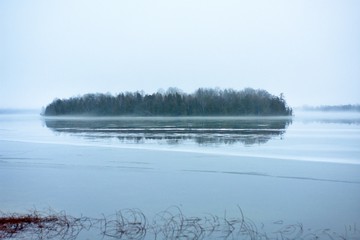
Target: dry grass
{"x": 168, "y": 224}
{"x": 41, "y": 225}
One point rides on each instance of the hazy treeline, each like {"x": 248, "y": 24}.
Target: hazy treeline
{"x": 17, "y": 111}
{"x": 173, "y": 102}
{"x": 328, "y": 108}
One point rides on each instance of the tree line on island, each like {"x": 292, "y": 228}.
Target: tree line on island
{"x": 174, "y": 102}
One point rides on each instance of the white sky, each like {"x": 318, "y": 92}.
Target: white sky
{"x": 307, "y": 49}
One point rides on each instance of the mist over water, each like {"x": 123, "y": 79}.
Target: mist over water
{"x": 267, "y": 137}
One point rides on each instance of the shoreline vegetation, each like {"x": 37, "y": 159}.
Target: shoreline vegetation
{"x": 174, "y": 102}
{"x": 171, "y": 223}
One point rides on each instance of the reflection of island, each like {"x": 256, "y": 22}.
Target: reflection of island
{"x": 202, "y": 130}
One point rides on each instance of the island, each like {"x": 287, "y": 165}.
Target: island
{"x": 174, "y": 102}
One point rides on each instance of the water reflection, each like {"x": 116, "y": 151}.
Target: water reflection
{"x": 202, "y": 131}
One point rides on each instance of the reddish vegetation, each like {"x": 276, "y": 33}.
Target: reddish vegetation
{"x": 36, "y": 225}
{"x": 11, "y": 225}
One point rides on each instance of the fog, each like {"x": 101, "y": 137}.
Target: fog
{"x": 307, "y": 50}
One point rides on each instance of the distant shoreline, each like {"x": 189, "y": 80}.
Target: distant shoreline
{"x": 18, "y": 110}
{"x": 332, "y": 108}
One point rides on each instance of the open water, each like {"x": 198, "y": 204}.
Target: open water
{"x": 278, "y": 172}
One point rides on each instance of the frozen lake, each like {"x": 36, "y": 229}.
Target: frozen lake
{"x": 279, "y": 171}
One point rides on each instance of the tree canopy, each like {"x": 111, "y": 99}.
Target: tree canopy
{"x": 174, "y": 102}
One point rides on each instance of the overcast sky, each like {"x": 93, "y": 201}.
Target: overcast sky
{"x": 307, "y": 49}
